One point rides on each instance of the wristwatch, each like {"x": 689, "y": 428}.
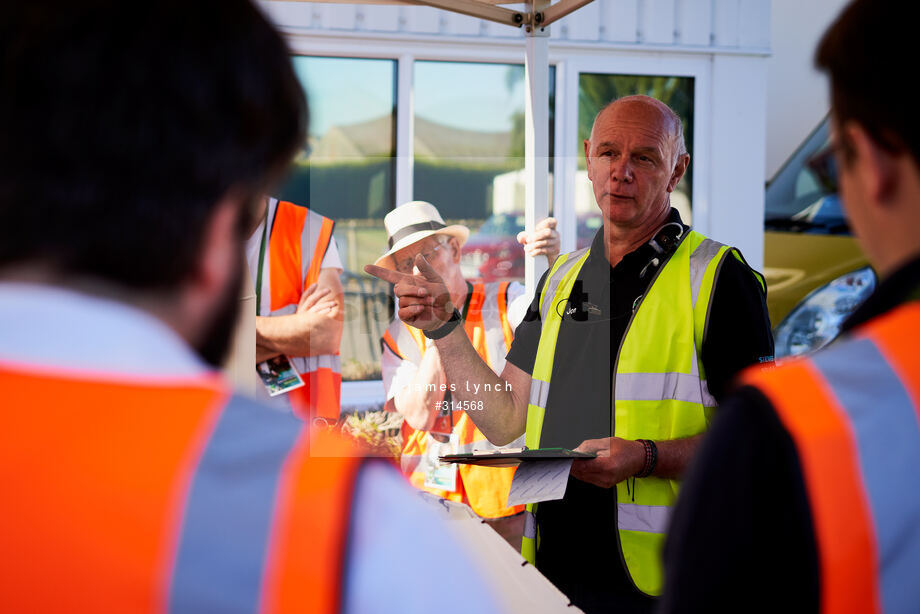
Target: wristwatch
{"x": 444, "y": 330}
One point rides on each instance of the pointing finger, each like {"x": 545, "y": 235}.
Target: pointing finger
{"x": 427, "y": 270}
{"x": 384, "y": 274}
{"x": 409, "y": 290}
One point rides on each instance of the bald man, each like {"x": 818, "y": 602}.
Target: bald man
{"x": 625, "y": 351}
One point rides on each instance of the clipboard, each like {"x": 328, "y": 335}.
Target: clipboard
{"x": 512, "y": 457}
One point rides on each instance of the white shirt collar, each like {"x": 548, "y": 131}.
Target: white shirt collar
{"x": 52, "y": 327}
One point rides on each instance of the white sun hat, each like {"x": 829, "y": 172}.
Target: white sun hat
{"x": 410, "y": 223}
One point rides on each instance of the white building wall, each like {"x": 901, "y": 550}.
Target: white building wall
{"x": 736, "y": 156}
{"x": 797, "y": 96}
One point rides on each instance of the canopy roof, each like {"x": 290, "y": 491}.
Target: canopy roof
{"x": 546, "y": 12}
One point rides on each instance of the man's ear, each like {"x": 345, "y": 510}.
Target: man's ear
{"x": 680, "y": 168}
{"x": 455, "y": 248}
{"x": 876, "y": 168}
{"x": 587, "y": 155}
{"x": 220, "y": 247}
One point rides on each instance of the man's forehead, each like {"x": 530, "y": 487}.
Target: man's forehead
{"x": 635, "y": 135}
{"x": 636, "y": 118}
{"x": 427, "y": 242}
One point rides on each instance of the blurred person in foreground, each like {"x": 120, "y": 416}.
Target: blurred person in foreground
{"x": 625, "y": 351}
{"x": 804, "y": 497}
{"x": 413, "y": 376}
{"x": 135, "y": 141}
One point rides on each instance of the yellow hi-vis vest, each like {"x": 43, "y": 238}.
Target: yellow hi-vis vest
{"x": 659, "y": 387}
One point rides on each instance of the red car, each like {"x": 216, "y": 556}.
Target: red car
{"x": 492, "y": 253}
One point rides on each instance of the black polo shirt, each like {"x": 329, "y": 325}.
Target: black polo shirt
{"x": 579, "y": 545}
{"x": 742, "y": 537}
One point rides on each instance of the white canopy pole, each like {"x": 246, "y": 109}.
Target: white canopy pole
{"x": 536, "y": 137}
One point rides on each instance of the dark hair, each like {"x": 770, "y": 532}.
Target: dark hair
{"x": 868, "y": 52}
{"x": 122, "y": 124}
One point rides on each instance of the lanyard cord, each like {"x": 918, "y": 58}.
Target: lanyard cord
{"x": 261, "y": 261}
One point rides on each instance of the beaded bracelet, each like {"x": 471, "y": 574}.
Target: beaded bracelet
{"x": 651, "y": 458}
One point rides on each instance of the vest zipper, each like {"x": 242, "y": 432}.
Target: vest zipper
{"x": 613, "y": 386}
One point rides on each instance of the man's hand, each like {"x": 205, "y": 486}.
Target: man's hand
{"x": 617, "y": 459}
{"x": 318, "y": 300}
{"x": 315, "y": 328}
{"x": 424, "y": 301}
{"x": 544, "y": 241}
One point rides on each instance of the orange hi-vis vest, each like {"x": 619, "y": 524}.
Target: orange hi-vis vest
{"x": 853, "y": 412}
{"x": 484, "y": 489}
{"x": 293, "y": 235}
{"x": 163, "y": 495}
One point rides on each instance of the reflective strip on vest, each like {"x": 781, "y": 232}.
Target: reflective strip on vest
{"x": 530, "y": 525}
{"x": 494, "y": 314}
{"x": 324, "y": 361}
{"x": 646, "y": 518}
{"x": 503, "y": 312}
{"x": 202, "y": 582}
{"x": 539, "y": 392}
{"x": 884, "y": 425}
{"x": 556, "y": 277}
{"x": 699, "y": 260}
{"x": 408, "y": 462}
{"x": 662, "y": 386}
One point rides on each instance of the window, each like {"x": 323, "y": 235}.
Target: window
{"x": 596, "y": 90}
{"x": 468, "y": 161}
{"x": 347, "y": 173}
{"x": 803, "y": 194}
{"x": 469, "y": 157}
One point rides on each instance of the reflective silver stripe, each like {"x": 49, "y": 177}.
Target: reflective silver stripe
{"x": 539, "y": 392}
{"x": 324, "y": 361}
{"x": 409, "y": 462}
{"x": 882, "y": 422}
{"x": 530, "y": 525}
{"x": 492, "y": 326}
{"x": 708, "y": 399}
{"x": 309, "y": 239}
{"x": 662, "y": 386}
{"x": 330, "y": 361}
{"x": 645, "y": 518}
{"x": 699, "y": 261}
{"x": 552, "y": 283}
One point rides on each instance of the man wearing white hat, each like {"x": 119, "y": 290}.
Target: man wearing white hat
{"x": 414, "y": 378}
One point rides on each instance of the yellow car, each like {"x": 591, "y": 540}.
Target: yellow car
{"x": 816, "y": 273}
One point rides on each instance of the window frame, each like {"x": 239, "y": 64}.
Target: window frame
{"x": 569, "y": 60}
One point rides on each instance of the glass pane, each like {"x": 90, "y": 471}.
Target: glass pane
{"x": 595, "y": 91}
{"x": 469, "y": 157}
{"x": 347, "y": 173}
{"x": 805, "y": 189}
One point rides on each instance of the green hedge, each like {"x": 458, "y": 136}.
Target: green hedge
{"x": 365, "y": 189}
